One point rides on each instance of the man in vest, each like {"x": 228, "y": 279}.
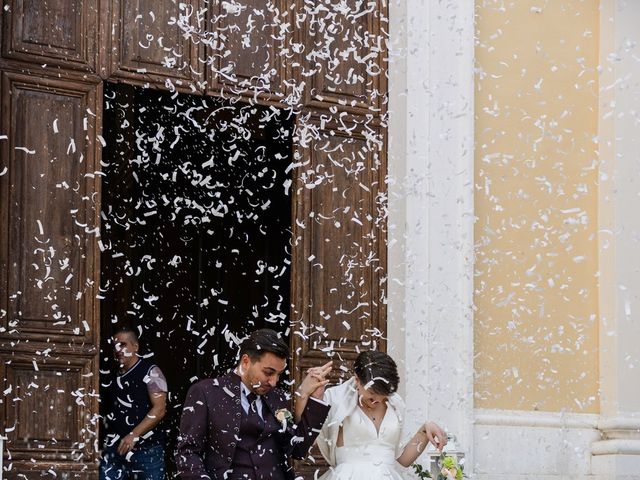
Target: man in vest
{"x": 136, "y": 401}
{"x": 238, "y": 426}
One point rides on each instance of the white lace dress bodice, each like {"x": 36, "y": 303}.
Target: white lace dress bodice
{"x": 367, "y": 454}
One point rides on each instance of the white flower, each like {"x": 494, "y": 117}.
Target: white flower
{"x": 283, "y": 415}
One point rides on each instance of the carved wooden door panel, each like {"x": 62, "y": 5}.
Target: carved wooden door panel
{"x": 48, "y": 274}
{"x": 52, "y": 34}
{"x": 339, "y": 244}
{"x": 158, "y": 43}
{"x": 248, "y": 48}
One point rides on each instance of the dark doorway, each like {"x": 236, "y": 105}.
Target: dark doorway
{"x": 196, "y": 229}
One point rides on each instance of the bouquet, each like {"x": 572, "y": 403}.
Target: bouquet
{"x": 448, "y": 468}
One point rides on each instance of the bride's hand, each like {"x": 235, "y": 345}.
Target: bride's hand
{"x": 435, "y": 435}
{"x": 315, "y": 381}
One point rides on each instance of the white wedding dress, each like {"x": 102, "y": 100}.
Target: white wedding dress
{"x": 367, "y": 454}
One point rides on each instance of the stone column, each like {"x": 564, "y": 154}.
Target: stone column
{"x": 431, "y": 210}
{"x": 617, "y": 454}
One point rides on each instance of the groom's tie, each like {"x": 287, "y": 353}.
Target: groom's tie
{"x": 253, "y": 408}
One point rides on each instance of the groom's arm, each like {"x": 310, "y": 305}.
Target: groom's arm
{"x": 308, "y": 428}
{"x": 193, "y": 435}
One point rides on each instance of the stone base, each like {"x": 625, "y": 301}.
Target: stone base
{"x": 532, "y": 446}
{"x": 616, "y": 467}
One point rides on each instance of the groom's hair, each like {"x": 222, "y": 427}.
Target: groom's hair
{"x": 264, "y": 341}
{"x": 377, "y": 371}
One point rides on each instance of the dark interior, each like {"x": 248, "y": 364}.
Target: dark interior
{"x": 196, "y": 229}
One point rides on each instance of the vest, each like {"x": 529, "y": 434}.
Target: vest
{"x": 130, "y": 403}
{"x": 257, "y": 455}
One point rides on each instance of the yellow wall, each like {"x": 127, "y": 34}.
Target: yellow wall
{"x": 536, "y": 303}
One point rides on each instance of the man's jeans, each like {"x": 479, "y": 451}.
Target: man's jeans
{"x": 145, "y": 463}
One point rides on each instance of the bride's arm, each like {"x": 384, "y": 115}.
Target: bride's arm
{"x": 429, "y": 432}
{"x": 414, "y": 448}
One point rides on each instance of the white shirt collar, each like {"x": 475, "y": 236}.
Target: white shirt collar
{"x": 245, "y": 401}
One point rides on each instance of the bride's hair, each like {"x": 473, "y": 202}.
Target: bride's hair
{"x": 377, "y": 371}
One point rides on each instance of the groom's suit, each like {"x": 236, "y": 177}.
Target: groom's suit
{"x": 218, "y": 439}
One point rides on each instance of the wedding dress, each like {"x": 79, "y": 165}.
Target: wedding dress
{"x": 367, "y": 454}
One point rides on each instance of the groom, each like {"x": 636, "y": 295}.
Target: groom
{"x": 238, "y": 426}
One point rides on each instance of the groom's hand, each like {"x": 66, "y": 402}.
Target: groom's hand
{"x": 315, "y": 381}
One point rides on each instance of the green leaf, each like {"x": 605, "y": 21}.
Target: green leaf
{"x": 420, "y": 471}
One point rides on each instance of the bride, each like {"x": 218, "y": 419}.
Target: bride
{"x": 361, "y": 437}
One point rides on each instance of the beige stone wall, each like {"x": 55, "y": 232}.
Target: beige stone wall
{"x": 536, "y": 273}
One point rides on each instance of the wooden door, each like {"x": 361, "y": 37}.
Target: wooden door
{"x": 50, "y": 104}
{"x": 339, "y": 213}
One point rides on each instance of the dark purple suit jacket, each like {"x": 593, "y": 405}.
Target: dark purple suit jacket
{"x": 210, "y": 424}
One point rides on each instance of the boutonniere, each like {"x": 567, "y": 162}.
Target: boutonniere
{"x": 283, "y": 416}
